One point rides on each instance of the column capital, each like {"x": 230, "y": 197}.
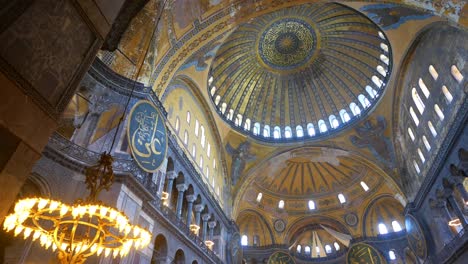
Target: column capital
{"x": 190, "y": 198}
{"x": 171, "y": 175}
{"x": 206, "y": 217}
{"x": 181, "y": 187}
{"x": 199, "y": 207}
{"x": 211, "y": 224}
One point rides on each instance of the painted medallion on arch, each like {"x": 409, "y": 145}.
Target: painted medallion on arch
{"x": 281, "y": 257}
{"x": 362, "y": 253}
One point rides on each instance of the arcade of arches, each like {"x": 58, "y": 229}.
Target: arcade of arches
{"x": 298, "y": 131}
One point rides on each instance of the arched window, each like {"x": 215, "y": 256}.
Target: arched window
{"x": 411, "y": 134}
{"x": 214, "y": 164}
{"x": 177, "y": 124}
{"x": 439, "y": 112}
{"x": 207, "y": 172}
{"x": 322, "y": 126}
{"x": 432, "y": 129}
{"x": 447, "y": 94}
{"x": 247, "y": 124}
{"x": 456, "y": 73}
{"x": 266, "y": 131}
{"x": 256, "y": 129}
{"x": 208, "y": 150}
{"x": 364, "y": 186}
{"x": 416, "y": 167}
{"x": 259, "y": 197}
{"x": 311, "y": 205}
{"x": 414, "y": 116}
{"x": 384, "y": 59}
{"x": 381, "y": 35}
{"x": 281, "y": 204}
{"x": 384, "y": 47}
{"x": 355, "y": 109}
{"x": 298, "y": 248}
{"x": 426, "y": 143}
{"x": 377, "y": 81}
{"x": 381, "y": 70}
{"x": 213, "y": 90}
{"x": 201, "y": 161}
{"x": 218, "y": 98}
{"x": 223, "y": 107}
{"x": 299, "y": 131}
{"x": 337, "y": 246}
{"x": 310, "y": 130}
{"x": 433, "y": 72}
{"x": 277, "y": 132}
{"x": 307, "y": 250}
{"x": 333, "y": 121}
{"x": 328, "y": 249}
{"x": 372, "y": 93}
{"x": 238, "y": 120}
{"x": 341, "y": 198}
{"x": 244, "y": 240}
{"x": 382, "y": 229}
{"x": 317, "y": 249}
{"x": 203, "y": 138}
{"x": 194, "y": 150}
{"x": 287, "y": 132}
{"x": 210, "y": 80}
{"x": 197, "y": 126}
{"x": 421, "y": 155}
{"x": 396, "y": 226}
{"x": 391, "y": 255}
{"x": 418, "y": 101}
{"x": 364, "y": 101}
{"x": 423, "y": 88}
{"x": 188, "y": 117}
{"x": 344, "y": 116}
{"x": 185, "y": 137}
{"x": 230, "y": 114}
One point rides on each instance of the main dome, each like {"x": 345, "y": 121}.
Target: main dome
{"x": 299, "y": 73}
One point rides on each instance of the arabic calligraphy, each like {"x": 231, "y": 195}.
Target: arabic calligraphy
{"x": 147, "y": 136}
{"x": 363, "y": 253}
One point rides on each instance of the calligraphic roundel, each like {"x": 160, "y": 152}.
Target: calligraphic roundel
{"x": 147, "y": 135}
{"x": 280, "y": 257}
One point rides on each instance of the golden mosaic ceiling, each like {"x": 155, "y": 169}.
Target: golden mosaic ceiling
{"x": 302, "y": 72}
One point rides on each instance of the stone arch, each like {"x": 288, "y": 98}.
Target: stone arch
{"x": 179, "y": 257}
{"x": 252, "y": 223}
{"x": 185, "y": 212}
{"x": 383, "y": 209}
{"x": 160, "y": 249}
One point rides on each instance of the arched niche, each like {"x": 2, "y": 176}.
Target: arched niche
{"x": 179, "y": 257}
{"x": 253, "y": 224}
{"x": 382, "y": 210}
{"x": 160, "y": 249}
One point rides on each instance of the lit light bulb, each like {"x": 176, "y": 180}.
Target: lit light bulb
{"x": 94, "y": 248}
{"x": 104, "y": 210}
{"x": 99, "y": 251}
{"x": 113, "y": 214}
{"x": 127, "y": 229}
{"x": 18, "y": 229}
{"x": 54, "y": 247}
{"x": 136, "y": 231}
{"x": 64, "y": 210}
{"x": 107, "y": 252}
{"x": 92, "y": 209}
{"x": 42, "y": 203}
{"x": 53, "y": 205}
{"x": 36, "y": 235}
{"x": 115, "y": 253}
{"x": 27, "y": 232}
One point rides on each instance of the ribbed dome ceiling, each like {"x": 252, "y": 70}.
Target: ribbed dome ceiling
{"x": 302, "y": 72}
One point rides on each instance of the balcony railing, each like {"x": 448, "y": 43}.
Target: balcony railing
{"x": 81, "y": 158}
{"x": 457, "y": 245}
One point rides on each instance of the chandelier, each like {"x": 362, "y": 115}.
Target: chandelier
{"x": 80, "y": 230}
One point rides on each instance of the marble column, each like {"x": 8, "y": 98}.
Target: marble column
{"x": 190, "y": 199}
{"x": 205, "y": 218}
{"x": 180, "y": 199}
{"x": 198, "y": 209}
{"x": 171, "y": 175}
{"x": 211, "y": 226}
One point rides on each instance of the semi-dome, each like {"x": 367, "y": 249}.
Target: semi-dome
{"x": 302, "y": 72}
